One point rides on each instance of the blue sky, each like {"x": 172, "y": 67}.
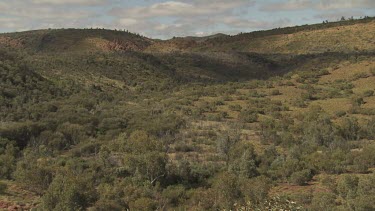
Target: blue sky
{"x": 165, "y": 19}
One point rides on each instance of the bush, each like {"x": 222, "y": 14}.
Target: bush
{"x": 275, "y": 92}
{"x": 368, "y": 93}
{"x": 357, "y": 101}
{"x": 143, "y": 204}
{"x": 372, "y": 71}
{"x": 68, "y": 192}
{"x": 350, "y": 129}
{"x": 359, "y": 75}
{"x": 301, "y": 177}
{"x": 248, "y": 116}
{"x": 3, "y": 187}
{"x": 329, "y": 182}
{"x": 347, "y": 186}
{"x": 323, "y": 201}
{"x": 226, "y": 190}
{"x": 235, "y": 107}
{"x": 255, "y": 190}
{"x": 340, "y": 113}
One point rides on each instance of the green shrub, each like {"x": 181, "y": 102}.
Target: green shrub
{"x": 3, "y": 187}
{"x": 340, "y": 113}
{"x": 275, "y": 92}
{"x": 372, "y": 71}
{"x": 235, "y": 107}
{"x": 68, "y": 192}
{"x": 301, "y": 177}
{"x": 347, "y": 186}
{"x": 323, "y": 201}
{"x": 248, "y": 116}
{"x": 357, "y": 101}
{"x": 368, "y": 93}
{"x": 359, "y": 75}
{"x": 329, "y": 182}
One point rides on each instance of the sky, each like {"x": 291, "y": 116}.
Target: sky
{"x": 167, "y": 18}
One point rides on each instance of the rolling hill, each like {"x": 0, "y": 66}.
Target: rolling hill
{"x": 95, "y": 119}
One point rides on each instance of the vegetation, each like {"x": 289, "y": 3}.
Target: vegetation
{"x": 109, "y": 120}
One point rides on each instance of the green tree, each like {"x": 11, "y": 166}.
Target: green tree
{"x": 68, "y": 192}
{"x": 145, "y": 156}
{"x": 347, "y": 186}
{"x": 225, "y": 187}
{"x": 255, "y": 190}
{"x": 8, "y": 153}
{"x": 323, "y": 201}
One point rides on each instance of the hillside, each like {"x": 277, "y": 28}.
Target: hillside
{"x": 347, "y": 36}
{"x": 95, "y": 119}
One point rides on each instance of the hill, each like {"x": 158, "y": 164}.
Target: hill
{"x": 109, "y": 120}
{"x": 343, "y": 36}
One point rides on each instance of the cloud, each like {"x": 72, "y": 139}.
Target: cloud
{"x": 241, "y": 23}
{"x": 70, "y": 2}
{"x": 179, "y": 9}
{"x": 334, "y": 16}
{"x": 44, "y": 12}
{"x": 184, "y": 17}
{"x": 290, "y": 5}
{"x": 168, "y": 18}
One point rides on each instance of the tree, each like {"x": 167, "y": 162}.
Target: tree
{"x": 323, "y": 201}
{"x": 34, "y": 172}
{"x": 226, "y": 190}
{"x": 3, "y": 188}
{"x": 347, "y": 186}
{"x": 144, "y": 156}
{"x": 350, "y": 129}
{"x": 68, "y": 192}
{"x": 243, "y": 160}
{"x": 226, "y": 141}
{"x": 8, "y": 153}
{"x": 366, "y": 193}
{"x": 320, "y": 132}
{"x": 255, "y": 190}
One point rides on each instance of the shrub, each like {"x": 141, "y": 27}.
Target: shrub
{"x": 68, "y": 192}
{"x": 329, "y": 182}
{"x": 226, "y": 190}
{"x": 347, "y": 186}
{"x": 372, "y": 71}
{"x": 301, "y": 177}
{"x": 359, "y": 75}
{"x": 143, "y": 204}
{"x": 340, "y": 113}
{"x": 289, "y": 83}
{"x": 235, "y": 107}
{"x": 275, "y": 92}
{"x": 350, "y": 129}
{"x": 248, "y": 116}
{"x": 323, "y": 201}
{"x": 368, "y": 93}
{"x": 256, "y": 189}
{"x": 3, "y": 187}
{"x": 357, "y": 101}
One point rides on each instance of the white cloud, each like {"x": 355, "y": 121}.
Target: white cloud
{"x": 288, "y": 5}
{"x": 169, "y": 18}
{"x": 317, "y": 5}
{"x": 127, "y": 21}
{"x": 70, "y": 2}
{"x": 179, "y": 9}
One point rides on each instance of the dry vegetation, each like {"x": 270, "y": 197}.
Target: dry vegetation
{"x": 108, "y": 120}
